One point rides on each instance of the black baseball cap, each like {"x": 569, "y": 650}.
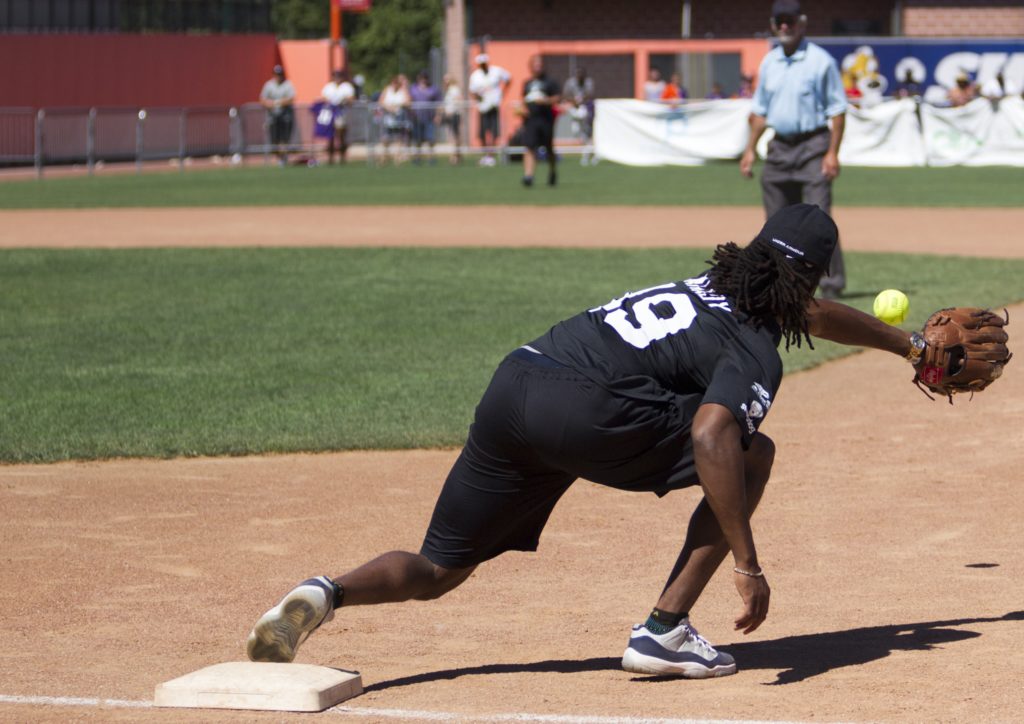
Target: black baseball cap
{"x": 804, "y": 232}
{"x": 785, "y": 7}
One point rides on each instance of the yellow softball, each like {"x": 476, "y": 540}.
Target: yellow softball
{"x": 891, "y": 306}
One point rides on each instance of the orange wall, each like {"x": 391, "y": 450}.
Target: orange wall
{"x": 53, "y": 70}
{"x": 306, "y": 63}
{"x": 513, "y": 56}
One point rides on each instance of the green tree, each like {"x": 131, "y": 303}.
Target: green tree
{"x": 301, "y": 18}
{"x": 394, "y": 37}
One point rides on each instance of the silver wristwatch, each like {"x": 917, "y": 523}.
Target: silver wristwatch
{"x": 917, "y": 345}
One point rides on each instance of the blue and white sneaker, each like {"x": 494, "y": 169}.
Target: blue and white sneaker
{"x": 281, "y": 630}
{"x": 680, "y": 652}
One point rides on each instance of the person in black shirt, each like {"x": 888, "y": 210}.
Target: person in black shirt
{"x": 659, "y": 389}
{"x": 540, "y": 96}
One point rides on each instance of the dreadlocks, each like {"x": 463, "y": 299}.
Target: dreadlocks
{"x": 765, "y": 285}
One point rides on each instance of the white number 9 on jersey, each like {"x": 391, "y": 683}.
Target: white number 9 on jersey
{"x": 650, "y": 318}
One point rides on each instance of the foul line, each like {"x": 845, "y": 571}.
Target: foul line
{"x": 407, "y": 714}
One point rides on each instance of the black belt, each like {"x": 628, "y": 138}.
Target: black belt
{"x": 537, "y": 358}
{"x": 801, "y": 137}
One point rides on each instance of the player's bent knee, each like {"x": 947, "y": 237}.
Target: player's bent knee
{"x": 761, "y": 456}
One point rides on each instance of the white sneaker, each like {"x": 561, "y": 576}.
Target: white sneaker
{"x": 281, "y": 630}
{"x": 680, "y": 652}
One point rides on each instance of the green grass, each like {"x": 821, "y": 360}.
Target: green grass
{"x": 716, "y": 184}
{"x": 225, "y": 351}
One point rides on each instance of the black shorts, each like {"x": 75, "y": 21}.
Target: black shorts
{"x": 538, "y": 134}
{"x": 538, "y": 427}
{"x": 489, "y": 124}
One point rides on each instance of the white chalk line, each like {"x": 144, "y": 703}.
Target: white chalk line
{"x": 407, "y": 714}
{"x": 75, "y": 701}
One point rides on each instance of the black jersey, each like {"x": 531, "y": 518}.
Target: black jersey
{"x": 676, "y": 339}
{"x": 536, "y": 89}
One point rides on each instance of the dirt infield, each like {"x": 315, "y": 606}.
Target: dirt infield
{"x": 890, "y": 534}
{"x": 982, "y": 232}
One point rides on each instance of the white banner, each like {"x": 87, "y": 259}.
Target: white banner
{"x": 982, "y": 133}
{"x": 888, "y": 134}
{"x": 642, "y": 133}
{"x": 896, "y": 133}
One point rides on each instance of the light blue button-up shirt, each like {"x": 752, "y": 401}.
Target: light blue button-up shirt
{"x": 799, "y": 93}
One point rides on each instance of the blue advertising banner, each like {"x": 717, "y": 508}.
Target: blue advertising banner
{"x": 927, "y": 67}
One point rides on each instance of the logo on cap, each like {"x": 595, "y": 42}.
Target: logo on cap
{"x": 787, "y": 247}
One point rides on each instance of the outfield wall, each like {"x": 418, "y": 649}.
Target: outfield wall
{"x": 62, "y": 70}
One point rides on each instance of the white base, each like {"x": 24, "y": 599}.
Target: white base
{"x": 264, "y": 686}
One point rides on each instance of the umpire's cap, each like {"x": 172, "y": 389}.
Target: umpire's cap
{"x": 786, "y": 7}
{"x": 804, "y": 232}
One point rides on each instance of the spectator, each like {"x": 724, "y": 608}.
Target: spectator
{"x": 278, "y": 97}
{"x": 674, "y": 90}
{"x": 654, "y": 86}
{"x": 716, "y": 93}
{"x": 359, "y": 82}
{"x": 578, "y": 97}
{"x": 963, "y": 92}
{"x": 394, "y": 105}
{"x": 425, "y": 98}
{"x": 337, "y": 96}
{"x": 487, "y": 87}
{"x": 451, "y": 116}
{"x": 540, "y": 95}
{"x": 799, "y": 94}
{"x": 746, "y": 89}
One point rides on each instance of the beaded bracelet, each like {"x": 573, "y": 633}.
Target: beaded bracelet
{"x": 759, "y": 574}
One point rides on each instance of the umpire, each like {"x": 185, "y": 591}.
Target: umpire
{"x": 660, "y": 389}
{"x": 800, "y": 95}
{"x": 540, "y": 96}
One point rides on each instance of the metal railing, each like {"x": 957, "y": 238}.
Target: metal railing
{"x": 94, "y": 136}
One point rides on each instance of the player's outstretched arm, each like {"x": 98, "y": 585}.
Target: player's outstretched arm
{"x": 837, "y": 322}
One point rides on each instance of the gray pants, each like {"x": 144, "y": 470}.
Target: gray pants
{"x": 792, "y": 175}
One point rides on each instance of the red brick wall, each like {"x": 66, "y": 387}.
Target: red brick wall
{"x": 963, "y": 21}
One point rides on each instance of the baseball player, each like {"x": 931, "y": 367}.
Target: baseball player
{"x": 659, "y": 389}
{"x": 540, "y": 96}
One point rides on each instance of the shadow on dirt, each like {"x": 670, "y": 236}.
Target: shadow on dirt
{"x": 795, "y": 657}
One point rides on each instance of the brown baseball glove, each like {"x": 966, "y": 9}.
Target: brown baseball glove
{"x": 966, "y": 351}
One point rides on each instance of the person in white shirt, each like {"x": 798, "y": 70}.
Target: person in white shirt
{"x": 451, "y": 116}
{"x": 394, "y": 105}
{"x": 654, "y": 87}
{"x": 338, "y": 94}
{"x": 487, "y": 86}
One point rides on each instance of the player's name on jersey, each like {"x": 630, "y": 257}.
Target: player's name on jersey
{"x": 701, "y": 286}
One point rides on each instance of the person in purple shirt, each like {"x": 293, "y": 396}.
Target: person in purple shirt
{"x": 425, "y": 98}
